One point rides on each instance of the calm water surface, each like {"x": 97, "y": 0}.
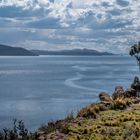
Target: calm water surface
{"x": 41, "y": 89}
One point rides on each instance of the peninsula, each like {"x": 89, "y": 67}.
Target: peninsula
{"x": 6, "y": 50}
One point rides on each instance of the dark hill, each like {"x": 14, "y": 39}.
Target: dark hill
{"x": 14, "y": 51}
{"x": 70, "y": 52}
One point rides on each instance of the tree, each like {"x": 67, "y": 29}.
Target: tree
{"x": 135, "y": 51}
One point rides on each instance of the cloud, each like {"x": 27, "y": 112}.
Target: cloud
{"x": 110, "y": 25}
{"x": 123, "y": 2}
{"x": 48, "y": 22}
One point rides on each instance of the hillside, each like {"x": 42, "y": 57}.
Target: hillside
{"x": 71, "y": 52}
{"x": 14, "y": 51}
{"x": 115, "y": 117}
{"x": 106, "y": 124}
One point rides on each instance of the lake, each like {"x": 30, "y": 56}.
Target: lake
{"x": 46, "y": 88}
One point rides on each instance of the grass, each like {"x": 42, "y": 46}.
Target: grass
{"x": 91, "y": 111}
{"x": 116, "y": 121}
{"x": 119, "y": 120}
{"x": 110, "y": 124}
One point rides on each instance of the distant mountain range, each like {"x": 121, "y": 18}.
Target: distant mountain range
{"x": 14, "y": 51}
{"x": 17, "y": 51}
{"x": 71, "y": 52}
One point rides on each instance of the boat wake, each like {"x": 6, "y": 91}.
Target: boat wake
{"x": 71, "y": 82}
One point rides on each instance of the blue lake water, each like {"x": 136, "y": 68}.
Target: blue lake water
{"x": 41, "y": 89}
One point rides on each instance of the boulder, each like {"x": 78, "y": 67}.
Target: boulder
{"x": 130, "y": 93}
{"x": 105, "y": 98}
{"x": 118, "y": 93}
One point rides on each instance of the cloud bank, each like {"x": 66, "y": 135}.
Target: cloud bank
{"x": 104, "y": 25}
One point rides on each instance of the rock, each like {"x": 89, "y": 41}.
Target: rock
{"x": 105, "y": 98}
{"x": 130, "y": 93}
{"x": 118, "y": 93}
{"x": 136, "y": 101}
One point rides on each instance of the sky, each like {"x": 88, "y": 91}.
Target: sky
{"x": 103, "y": 25}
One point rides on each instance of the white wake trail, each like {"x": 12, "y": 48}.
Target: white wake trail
{"x": 71, "y": 83}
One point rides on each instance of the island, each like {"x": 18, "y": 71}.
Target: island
{"x": 74, "y": 52}
{"x": 6, "y": 50}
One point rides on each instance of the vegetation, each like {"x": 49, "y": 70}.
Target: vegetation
{"x": 18, "y": 132}
{"x": 116, "y": 121}
{"x": 135, "y": 51}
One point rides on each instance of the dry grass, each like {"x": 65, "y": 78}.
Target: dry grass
{"x": 119, "y": 120}
{"x": 101, "y": 122}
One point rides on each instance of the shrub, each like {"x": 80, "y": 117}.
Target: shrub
{"x": 69, "y": 117}
{"x": 91, "y": 111}
{"x": 18, "y": 132}
{"x": 119, "y": 104}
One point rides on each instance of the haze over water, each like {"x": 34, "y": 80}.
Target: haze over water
{"x": 45, "y": 88}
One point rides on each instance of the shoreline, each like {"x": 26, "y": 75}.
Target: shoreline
{"x": 115, "y": 117}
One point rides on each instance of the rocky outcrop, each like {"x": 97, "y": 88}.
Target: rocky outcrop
{"x": 130, "y": 93}
{"x": 105, "y": 97}
{"x": 118, "y": 93}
